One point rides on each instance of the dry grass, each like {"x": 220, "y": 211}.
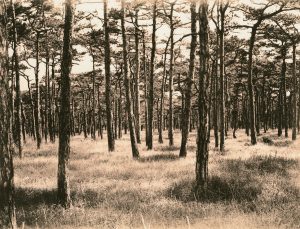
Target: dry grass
{"x": 249, "y": 187}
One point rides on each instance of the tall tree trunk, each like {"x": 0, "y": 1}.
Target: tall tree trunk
{"x": 146, "y": 89}
{"x": 188, "y": 95}
{"x": 63, "y": 192}
{"x": 7, "y": 188}
{"x": 47, "y": 93}
{"x": 23, "y": 123}
{"x": 171, "y": 86}
{"x": 202, "y": 141}
{"x": 37, "y": 93}
{"x": 51, "y": 119}
{"x": 222, "y": 73}
{"x": 134, "y": 148}
{"x": 216, "y": 104}
{"x": 151, "y": 81}
{"x": 110, "y": 135}
{"x": 294, "y": 133}
{"x": 84, "y": 122}
{"x": 137, "y": 78}
{"x": 162, "y": 96}
{"x": 99, "y": 115}
{"x": 285, "y": 108}
{"x": 93, "y": 129}
{"x": 18, "y": 119}
{"x": 250, "y": 84}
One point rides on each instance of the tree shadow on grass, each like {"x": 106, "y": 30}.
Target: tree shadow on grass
{"x": 218, "y": 190}
{"x": 242, "y": 181}
{"x": 26, "y": 197}
{"x": 32, "y": 198}
{"x": 159, "y": 157}
{"x": 39, "y": 206}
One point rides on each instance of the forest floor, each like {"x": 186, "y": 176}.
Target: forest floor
{"x": 249, "y": 187}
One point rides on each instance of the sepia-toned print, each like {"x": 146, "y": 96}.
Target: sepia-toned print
{"x": 150, "y": 114}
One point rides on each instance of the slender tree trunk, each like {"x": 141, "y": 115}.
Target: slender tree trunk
{"x": 37, "y": 94}
{"x": 63, "y": 192}
{"x": 162, "y": 95}
{"x": 250, "y": 85}
{"x": 146, "y": 90}
{"x": 93, "y": 129}
{"x": 202, "y": 141}
{"x": 7, "y": 187}
{"x": 222, "y": 73}
{"x": 294, "y": 133}
{"x": 23, "y": 123}
{"x": 99, "y": 115}
{"x": 18, "y": 119}
{"x": 110, "y": 135}
{"x": 137, "y": 79}
{"x": 47, "y": 94}
{"x": 188, "y": 95}
{"x": 216, "y": 104}
{"x": 285, "y": 108}
{"x": 134, "y": 148}
{"x": 151, "y": 81}
{"x": 84, "y": 123}
{"x": 120, "y": 116}
{"x": 171, "y": 86}
{"x": 51, "y": 119}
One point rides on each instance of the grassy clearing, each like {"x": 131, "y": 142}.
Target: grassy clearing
{"x": 250, "y": 187}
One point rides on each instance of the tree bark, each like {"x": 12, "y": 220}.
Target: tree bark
{"x": 151, "y": 81}
{"x": 134, "y": 148}
{"x": 63, "y": 192}
{"x": 18, "y": 119}
{"x": 93, "y": 129}
{"x": 250, "y": 84}
{"x": 137, "y": 79}
{"x": 162, "y": 96}
{"x": 171, "y": 86}
{"x": 110, "y": 135}
{"x": 188, "y": 95}
{"x": 294, "y": 131}
{"x": 202, "y": 141}
{"x": 7, "y": 188}
{"x": 222, "y": 73}
{"x": 37, "y": 94}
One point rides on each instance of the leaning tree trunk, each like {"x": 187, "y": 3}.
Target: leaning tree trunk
{"x": 134, "y": 148}
{"x": 202, "y": 141}
{"x": 110, "y": 135}
{"x": 188, "y": 95}
{"x": 7, "y": 188}
{"x": 151, "y": 82}
{"x": 63, "y": 192}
